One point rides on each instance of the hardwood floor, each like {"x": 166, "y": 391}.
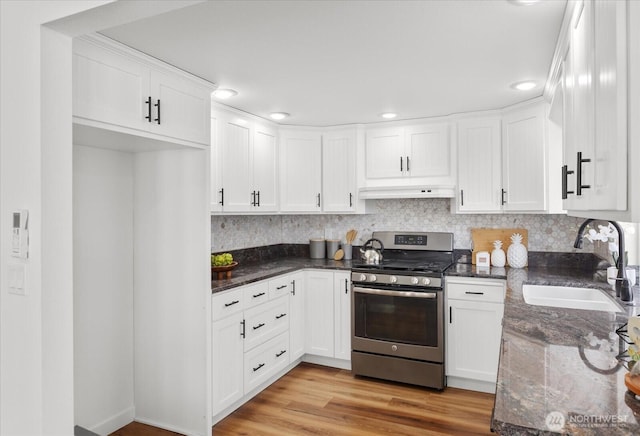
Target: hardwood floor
{"x": 317, "y": 400}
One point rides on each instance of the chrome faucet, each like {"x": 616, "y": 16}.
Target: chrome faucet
{"x": 623, "y": 288}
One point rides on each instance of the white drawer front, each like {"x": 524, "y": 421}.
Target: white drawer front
{"x": 256, "y": 294}
{"x": 280, "y": 286}
{"x": 476, "y": 290}
{"x": 264, "y": 361}
{"x": 266, "y": 321}
{"x": 227, "y": 303}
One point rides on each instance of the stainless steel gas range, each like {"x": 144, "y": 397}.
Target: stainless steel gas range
{"x": 397, "y": 322}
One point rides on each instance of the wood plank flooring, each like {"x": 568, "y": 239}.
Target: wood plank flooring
{"x": 317, "y": 400}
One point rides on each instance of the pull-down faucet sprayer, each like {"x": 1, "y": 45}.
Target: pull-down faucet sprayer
{"x": 623, "y": 288}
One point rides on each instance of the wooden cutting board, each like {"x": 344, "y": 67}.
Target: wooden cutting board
{"x": 482, "y": 239}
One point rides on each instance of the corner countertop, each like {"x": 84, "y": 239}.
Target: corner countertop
{"x": 558, "y": 371}
{"x": 245, "y": 274}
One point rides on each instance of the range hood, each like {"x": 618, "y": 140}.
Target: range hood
{"x": 407, "y": 192}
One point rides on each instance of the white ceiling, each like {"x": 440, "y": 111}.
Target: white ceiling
{"x": 341, "y": 62}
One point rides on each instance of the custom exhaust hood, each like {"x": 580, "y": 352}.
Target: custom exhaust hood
{"x": 421, "y": 191}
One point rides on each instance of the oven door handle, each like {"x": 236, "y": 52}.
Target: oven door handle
{"x": 429, "y": 295}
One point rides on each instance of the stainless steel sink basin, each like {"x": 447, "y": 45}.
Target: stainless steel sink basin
{"x": 569, "y": 297}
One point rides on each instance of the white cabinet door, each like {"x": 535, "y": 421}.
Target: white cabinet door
{"x": 297, "y": 321}
{"x": 524, "y": 178}
{"x": 479, "y": 165}
{"x": 122, "y": 102}
{"x": 264, "y": 162}
{"x": 342, "y": 315}
{"x": 384, "y": 153}
{"x": 235, "y": 152}
{"x": 428, "y": 152}
{"x": 473, "y": 344}
{"x": 227, "y": 362}
{"x": 339, "y": 188}
{"x": 319, "y": 308}
{"x": 181, "y": 108}
{"x": 300, "y": 171}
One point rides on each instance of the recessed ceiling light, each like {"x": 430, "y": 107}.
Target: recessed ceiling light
{"x": 388, "y": 115}
{"x": 523, "y": 2}
{"x": 224, "y": 93}
{"x": 524, "y": 86}
{"x": 278, "y": 115}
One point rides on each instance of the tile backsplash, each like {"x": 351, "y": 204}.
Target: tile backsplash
{"x": 546, "y": 232}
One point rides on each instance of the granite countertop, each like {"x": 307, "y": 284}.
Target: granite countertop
{"x": 558, "y": 371}
{"x": 250, "y": 272}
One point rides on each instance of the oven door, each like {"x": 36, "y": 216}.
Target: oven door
{"x": 391, "y": 322}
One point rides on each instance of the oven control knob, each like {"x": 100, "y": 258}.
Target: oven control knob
{"x": 393, "y": 279}
{"x": 394, "y": 348}
{"x": 363, "y": 278}
{"x": 373, "y": 278}
{"x": 426, "y": 281}
{"x": 414, "y": 280}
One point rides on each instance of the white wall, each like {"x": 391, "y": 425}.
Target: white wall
{"x": 103, "y": 288}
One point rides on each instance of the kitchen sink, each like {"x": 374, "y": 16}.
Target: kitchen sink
{"x": 569, "y": 297}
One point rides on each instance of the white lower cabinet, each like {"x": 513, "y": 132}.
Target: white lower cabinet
{"x": 328, "y": 314}
{"x": 475, "y": 308}
{"x": 228, "y": 349}
{"x": 265, "y": 360}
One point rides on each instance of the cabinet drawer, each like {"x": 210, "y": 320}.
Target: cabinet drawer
{"x": 256, "y": 294}
{"x": 476, "y": 290}
{"x": 227, "y": 303}
{"x": 279, "y": 286}
{"x": 264, "y": 361}
{"x": 265, "y": 321}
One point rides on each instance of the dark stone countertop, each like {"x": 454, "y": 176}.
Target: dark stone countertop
{"x": 559, "y": 365}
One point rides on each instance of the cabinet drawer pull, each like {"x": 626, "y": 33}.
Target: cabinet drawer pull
{"x": 281, "y": 353}
{"x": 565, "y": 181}
{"x": 281, "y": 287}
{"x": 350, "y": 199}
{"x": 256, "y": 327}
{"x": 148, "y": 103}
{"x": 242, "y": 334}
{"x": 462, "y": 197}
{"x": 346, "y": 286}
{"x": 157, "y": 120}
{"x": 408, "y": 164}
{"x": 258, "y": 195}
{"x": 253, "y": 198}
{"x": 318, "y": 199}
{"x": 258, "y": 367}
{"x": 293, "y": 287}
{"x": 401, "y": 167}
{"x": 282, "y": 315}
{"x": 579, "y": 185}
{"x": 232, "y": 303}
{"x": 221, "y": 202}
{"x": 502, "y": 200}
{"x": 258, "y": 295}
{"x": 474, "y": 293}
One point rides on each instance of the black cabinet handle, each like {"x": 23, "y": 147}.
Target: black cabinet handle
{"x": 242, "y": 334}
{"x": 462, "y": 197}
{"x": 258, "y": 367}
{"x": 474, "y": 293}
{"x": 408, "y": 164}
{"x": 157, "y": 120}
{"x": 282, "y": 315}
{"x": 450, "y": 315}
{"x": 256, "y": 327}
{"x": 148, "y": 103}
{"x": 318, "y": 199}
{"x": 579, "y": 185}
{"x": 502, "y": 200}
{"x": 281, "y": 287}
{"x": 293, "y": 287}
{"x": 221, "y": 202}
{"x": 253, "y": 198}
{"x": 281, "y": 353}
{"x": 401, "y": 168}
{"x": 565, "y": 182}
{"x": 258, "y": 194}
{"x": 346, "y": 286}
{"x": 350, "y": 199}
{"x": 258, "y": 295}
{"x": 232, "y": 303}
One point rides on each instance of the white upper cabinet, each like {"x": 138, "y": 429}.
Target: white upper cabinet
{"x": 411, "y": 154}
{"x": 121, "y": 90}
{"x": 339, "y": 184}
{"x": 595, "y": 167}
{"x": 300, "y": 171}
{"x": 479, "y": 165}
{"x": 244, "y": 156}
{"x": 524, "y": 178}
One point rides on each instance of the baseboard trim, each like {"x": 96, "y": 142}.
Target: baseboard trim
{"x": 114, "y": 422}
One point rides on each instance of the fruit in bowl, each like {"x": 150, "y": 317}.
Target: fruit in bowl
{"x": 223, "y": 259}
